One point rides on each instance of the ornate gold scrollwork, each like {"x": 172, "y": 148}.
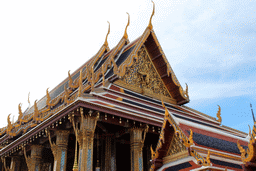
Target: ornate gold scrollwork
{"x": 143, "y": 75}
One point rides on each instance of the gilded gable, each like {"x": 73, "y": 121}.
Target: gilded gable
{"x": 176, "y": 150}
{"x": 143, "y": 78}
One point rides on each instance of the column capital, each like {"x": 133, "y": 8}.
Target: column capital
{"x": 36, "y": 151}
{"x": 62, "y": 137}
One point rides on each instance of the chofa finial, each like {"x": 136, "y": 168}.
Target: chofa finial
{"x": 125, "y": 32}
{"x": 106, "y": 39}
{"x": 150, "y": 26}
{"x": 28, "y": 99}
{"x": 219, "y": 115}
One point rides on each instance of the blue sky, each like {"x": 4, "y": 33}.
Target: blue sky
{"x": 209, "y": 44}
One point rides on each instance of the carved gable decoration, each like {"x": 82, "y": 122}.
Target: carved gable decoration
{"x": 176, "y": 146}
{"x": 143, "y": 78}
{"x": 176, "y": 150}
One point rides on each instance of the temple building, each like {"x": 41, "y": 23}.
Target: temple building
{"x": 123, "y": 110}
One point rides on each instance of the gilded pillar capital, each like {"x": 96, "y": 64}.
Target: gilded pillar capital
{"x": 62, "y": 137}
{"x": 36, "y": 151}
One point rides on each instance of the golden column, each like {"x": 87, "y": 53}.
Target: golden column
{"x": 137, "y": 138}
{"x": 85, "y": 136}
{"x": 59, "y": 149}
{"x": 34, "y": 162}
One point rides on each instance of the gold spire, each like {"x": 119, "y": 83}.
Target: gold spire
{"x": 218, "y": 115}
{"x": 150, "y": 26}
{"x": 106, "y": 39}
{"x": 125, "y": 32}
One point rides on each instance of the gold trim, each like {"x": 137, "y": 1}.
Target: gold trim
{"x": 227, "y": 156}
{"x": 145, "y": 92}
{"x": 175, "y": 157}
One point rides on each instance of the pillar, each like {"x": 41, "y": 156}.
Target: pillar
{"x": 85, "y": 136}
{"x": 15, "y": 163}
{"x": 60, "y": 150}
{"x": 136, "y": 145}
{"x": 110, "y": 154}
{"x": 34, "y": 161}
{"x": 14, "y": 166}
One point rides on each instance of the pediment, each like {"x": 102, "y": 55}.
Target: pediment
{"x": 142, "y": 77}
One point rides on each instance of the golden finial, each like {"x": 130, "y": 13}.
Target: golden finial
{"x": 9, "y": 126}
{"x": 80, "y": 84}
{"x": 48, "y": 97}
{"x": 150, "y": 26}
{"x": 218, "y": 115}
{"x": 208, "y": 158}
{"x": 70, "y": 79}
{"x": 20, "y": 111}
{"x": 106, "y": 39}
{"x": 9, "y": 120}
{"x": 28, "y": 99}
{"x": 125, "y": 32}
{"x": 36, "y": 111}
{"x": 191, "y": 141}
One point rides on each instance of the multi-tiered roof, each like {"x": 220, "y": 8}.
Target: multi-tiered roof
{"x": 134, "y": 81}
